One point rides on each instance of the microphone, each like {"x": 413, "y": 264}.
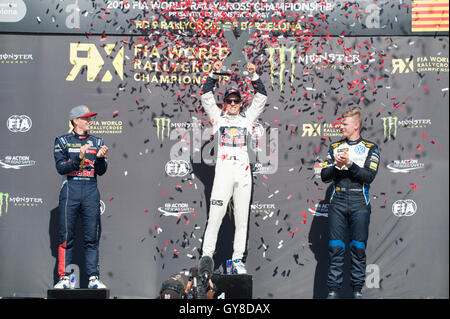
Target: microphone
{"x": 206, "y": 267}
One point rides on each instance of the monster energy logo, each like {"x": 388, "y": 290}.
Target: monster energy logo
{"x": 4, "y": 196}
{"x": 389, "y": 124}
{"x": 161, "y": 125}
{"x": 282, "y": 54}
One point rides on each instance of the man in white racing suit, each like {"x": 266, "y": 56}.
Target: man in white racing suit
{"x": 233, "y": 175}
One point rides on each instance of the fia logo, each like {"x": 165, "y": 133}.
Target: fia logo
{"x": 19, "y": 123}
{"x": 177, "y": 168}
{"x": 404, "y": 208}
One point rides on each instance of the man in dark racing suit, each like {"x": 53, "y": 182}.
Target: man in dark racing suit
{"x": 80, "y": 157}
{"x": 351, "y": 165}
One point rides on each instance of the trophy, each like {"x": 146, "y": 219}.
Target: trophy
{"x": 236, "y": 45}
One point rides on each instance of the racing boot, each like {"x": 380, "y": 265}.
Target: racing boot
{"x": 239, "y": 267}
{"x": 357, "y": 294}
{"x": 63, "y": 283}
{"x": 333, "y": 295}
{"x": 95, "y": 283}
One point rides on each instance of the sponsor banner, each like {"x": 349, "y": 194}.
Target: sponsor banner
{"x": 16, "y": 162}
{"x": 420, "y": 64}
{"x": 8, "y": 200}
{"x": 176, "y": 209}
{"x": 392, "y": 124}
{"x": 167, "y": 126}
{"x": 362, "y": 17}
{"x": 15, "y": 58}
{"x": 404, "y": 166}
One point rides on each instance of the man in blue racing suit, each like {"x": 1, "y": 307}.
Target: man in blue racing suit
{"x": 351, "y": 165}
{"x": 80, "y": 157}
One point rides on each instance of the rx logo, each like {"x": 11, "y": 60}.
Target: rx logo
{"x": 87, "y": 55}
{"x": 402, "y": 65}
{"x": 311, "y": 129}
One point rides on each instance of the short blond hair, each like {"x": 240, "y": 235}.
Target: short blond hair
{"x": 352, "y": 113}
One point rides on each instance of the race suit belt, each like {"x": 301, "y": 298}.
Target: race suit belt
{"x": 343, "y": 189}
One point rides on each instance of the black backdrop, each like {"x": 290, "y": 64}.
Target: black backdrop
{"x": 337, "y": 55}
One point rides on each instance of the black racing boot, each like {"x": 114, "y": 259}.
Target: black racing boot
{"x": 332, "y": 295}
{"x": 357, "y": 294}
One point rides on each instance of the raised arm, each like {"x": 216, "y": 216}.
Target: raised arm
{"x": 260, "y": 97}
{"x": 207, "y": 97}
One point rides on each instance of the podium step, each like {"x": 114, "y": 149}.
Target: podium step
{"x": 78, "y": 294}
{"x": 233, "y": 286}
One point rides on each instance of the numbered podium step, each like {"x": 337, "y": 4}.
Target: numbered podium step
{"x": 78, "y": 294}
{"x": 233, "y": 286}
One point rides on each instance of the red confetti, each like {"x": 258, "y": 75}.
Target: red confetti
{"x": 111, "y": 199}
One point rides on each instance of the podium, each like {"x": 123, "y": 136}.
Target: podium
{"x": 233, "y": 286}
{"x": 78, "y": 294}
